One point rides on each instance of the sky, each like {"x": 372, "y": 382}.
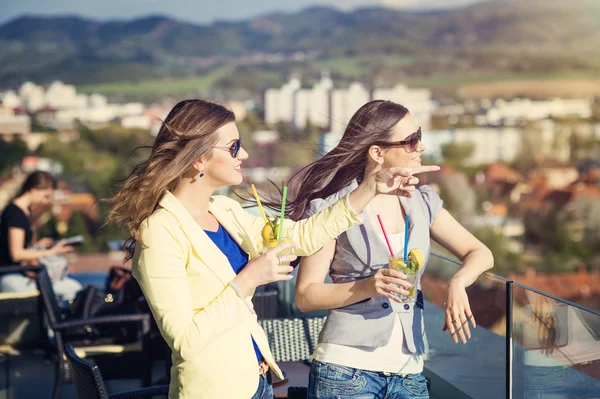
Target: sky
{"x": 197, "y": 11}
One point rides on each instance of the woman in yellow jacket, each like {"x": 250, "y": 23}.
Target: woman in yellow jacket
{"x": 197, "y": 257}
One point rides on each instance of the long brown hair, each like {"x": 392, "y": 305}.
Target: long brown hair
{"x": 39, "y": 180}
{"x": 187, "y": 133}
{"x": 372, "y": 123}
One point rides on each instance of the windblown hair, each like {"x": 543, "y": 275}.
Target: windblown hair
{"x": 372, "y": 123}
{"x": 37, "y": 181}
{"x": 189, "y": 132}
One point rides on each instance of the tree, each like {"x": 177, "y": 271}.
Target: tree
{"x": 455, "y": 154}
{"x": 459, "y": 197}
{"x": 79, "y": 226}
{"x": 11, "y": 153}
{"x": 505, "y": 260}
{"x": 531, "y": 150}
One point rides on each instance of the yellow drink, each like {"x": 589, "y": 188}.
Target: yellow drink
{"x": 397, "y": 263}
{"x": 273, "y": 243}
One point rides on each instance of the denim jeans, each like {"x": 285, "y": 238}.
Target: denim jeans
{"x": 265, "y": 387}
{"x": 331, "y": 381}
{"x": 559, "y": 382}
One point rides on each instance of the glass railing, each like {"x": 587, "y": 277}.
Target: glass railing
{"x": 527, "y": 344}
{"x": 556, "y": 347}
{"x": 477, "y": 369}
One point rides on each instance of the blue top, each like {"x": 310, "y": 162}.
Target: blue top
{"x": 237, "y": 258}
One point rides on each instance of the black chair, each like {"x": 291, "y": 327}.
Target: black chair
{"x": 292, "y": 340}
{"x": 16, "y": 303}
{"x": 266, "y": 304}
{"x": 89, "y": 383}
{"x": 118, "y": 361}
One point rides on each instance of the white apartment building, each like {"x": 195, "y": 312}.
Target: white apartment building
{"x": 326, "y": 107}
{"x": 33, "y": 96}
{"x": 503, "y": 144}
{"x": 62, "y": 96}
{"x": 491, "y": 144}
{"x": 279, "y": 103}
{"x": 344, "y": 103}
{"x": 11, "y": 124}
{"x": 418, "y": 102}
{"x": 10, "y": 99}
{"x": 526, "y": 109}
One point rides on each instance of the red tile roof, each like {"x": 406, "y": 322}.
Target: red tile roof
{"x": 499, "y": 172}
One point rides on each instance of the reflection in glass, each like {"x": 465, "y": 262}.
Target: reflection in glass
{"x": 557, "y": 351}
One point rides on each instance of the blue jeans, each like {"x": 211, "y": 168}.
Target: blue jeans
{"x": 559, "y": 383}
{"x": 265, "y": 387}
{"x": 331, "y": 381}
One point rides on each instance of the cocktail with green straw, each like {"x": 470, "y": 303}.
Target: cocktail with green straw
{"x": 272, "y": 232}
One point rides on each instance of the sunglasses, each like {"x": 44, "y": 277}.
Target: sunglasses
{"x": 234, "y": 149}
{"x": 410, "y": 144}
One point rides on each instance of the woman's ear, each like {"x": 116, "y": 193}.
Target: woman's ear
{"x": 376, "y": 154}
{"x": 198, "y": 165}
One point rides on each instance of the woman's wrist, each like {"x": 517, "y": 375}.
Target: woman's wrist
{"x": 365, "y": 288}
{"x": 457, "y": 281}
{"x": 362, "y": 195}
{"x": 244, "y": 283}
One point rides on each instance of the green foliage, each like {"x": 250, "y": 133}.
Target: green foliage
{"x": 505, "y": 260}
{"x": 79, "y": 226}
{"x": 455, "y": 154}
{"x": 11, "y": 153}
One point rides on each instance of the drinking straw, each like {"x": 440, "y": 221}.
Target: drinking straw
{"x": 387, "y": 240}
{"x": 406, "y": 241}
{"x": 281, "y": 217}
{"x": 260, "y": 208}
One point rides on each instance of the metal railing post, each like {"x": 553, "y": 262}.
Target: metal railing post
{"x": 509, "y": 339}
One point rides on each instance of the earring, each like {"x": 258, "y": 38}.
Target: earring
{"x": 202, "y": 172}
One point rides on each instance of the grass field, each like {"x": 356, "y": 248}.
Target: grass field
{"x": 573, "y": 84}
{"x": 568, "y": 85}
{"x": 156, "y": 88}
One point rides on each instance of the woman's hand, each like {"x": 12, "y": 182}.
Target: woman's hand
{"x": 266, "y": 269}
{"x": 45, "y": 242}
{"x": 399, "y": 180}
{"x": 543, "y": 320}
{"x": 458, "y": 312}
{"x": 388, "y": 283}
{"x": 61, "y": 248}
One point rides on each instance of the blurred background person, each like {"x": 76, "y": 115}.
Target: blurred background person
{"x": 18, "y": 245}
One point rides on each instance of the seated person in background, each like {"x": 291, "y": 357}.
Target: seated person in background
{"x": 16, "y": 240}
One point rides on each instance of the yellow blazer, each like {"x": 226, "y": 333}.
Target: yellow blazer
{"x": 186, "y": 281}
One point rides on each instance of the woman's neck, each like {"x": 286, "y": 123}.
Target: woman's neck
{"x": 23, "y": 202}
{"x": 370, "y": 169}
{"x": 194, "y": 195}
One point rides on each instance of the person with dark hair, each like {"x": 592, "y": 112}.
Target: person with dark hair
{"x": 16, "y": 239}
{"x": 198, "y": 258}
{"x": 373, "y": 340}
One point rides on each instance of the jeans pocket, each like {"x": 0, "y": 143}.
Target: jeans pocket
{"x": 416, "y": 385}
{"x": 545, "y": 378}
{"x": 339, "y": 380}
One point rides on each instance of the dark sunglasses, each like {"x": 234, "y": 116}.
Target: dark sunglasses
{"x": 234, "y": 149}
{"x": 410, "y": 144}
